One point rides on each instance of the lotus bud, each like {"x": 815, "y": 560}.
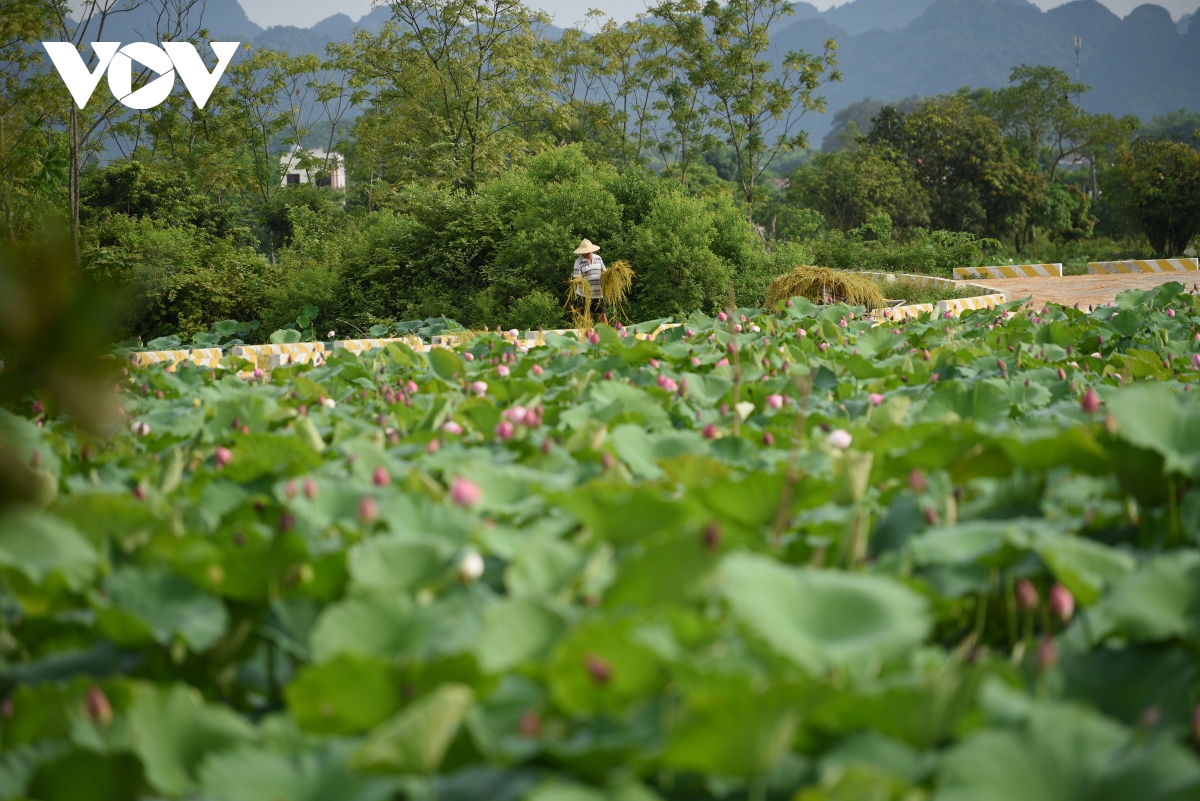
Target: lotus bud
{"x": 368, "y": 510}
{"x": 1091, "y": 401}
{"x": 1062, "y": 602}
{"x": 710, "y": 431}
{"x": 875, "y": 399}
{"x": 824, "y": 346}
{"x": 98, "y": 707}
{"x": 712, "y": 537}
{"x": 1062, "y": 374}
{"x": 469, "y": 356}
{"x": 608, "y": 375}
{"x": 594, "y": 338}
{"x": 840, "y": 439}
{"x": 917, "y": 481}
{"x": 768, "y": 439}
{"x": 775, "y": 401}
{"x": 801, "y": 333}
{"x": 465, "y": 492}
{"x": 504, "y": 430}
{"x": 1047, "y": 653}
{"x": 654, "y": 363}
{"x": 598, "y": 669}
{"x": 722, "y": 316}
{"x": 1170, "y": 312}
{"x": 223, "y": 457}
{"x": 451, "y": 427}
{"x": 1027, "y": 595}
{"x": 289, "y": 489}
{"x": 470, "y": 567}
{"x": 502, "y": 371}
{"x": 536, "y": 370}
{"x": 547, "y": 445}
{"x": 480, "y": 388}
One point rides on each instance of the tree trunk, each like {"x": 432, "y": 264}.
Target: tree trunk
{"x": 73, "y": 182}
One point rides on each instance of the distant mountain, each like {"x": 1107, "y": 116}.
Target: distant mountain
{"x": 1146, "y": 64}
{"x": 1141, "y": 65}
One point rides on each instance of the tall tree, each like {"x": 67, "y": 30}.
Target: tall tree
{"x": 26, "y": 106}
{"x": 173, "y": 20}
{"x": 755, "y": 105}
{"x": 1037, "y": 113}
{"x": 1156, "y": 182}
{"x": 453, "y": 84}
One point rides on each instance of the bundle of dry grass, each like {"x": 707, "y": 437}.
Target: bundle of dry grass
{"x": 823, "y": 285}
{"x": 615, "y": 283}
{"x": 579, "y": 292}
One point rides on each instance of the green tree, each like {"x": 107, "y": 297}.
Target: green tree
{"x": 30, "y": 154}
{"x": 754, "y": 105}
{"x": 1156, "y": 184}
{"x": 849, "y": 187}
{"x": 456, "y": 88}
{"x": 960, "y": 158}
{"x": 1036, "y": 111}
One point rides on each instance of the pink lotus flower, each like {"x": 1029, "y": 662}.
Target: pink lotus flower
{"x": 380, "y": 477}
{"x": 843, "y": 323}
{"x": 1196, "y": 361}
{"x": 1170, "y": 312}
{"x": 710, "y": 431}
{"x": 536, "y": 370}
{"x": 289, "y": 489}
{"x": 1047, "y": 653}
{"x": 258, "y": 373}
{"x": 775, "y": 401}
{"x": 451, "y": 427}
{"x": 801, "y": 333}
{"x": 411, "y": 387}
{"x": 654, "y": 363}
{"x": 141, "y": 428}
{"x": 1091, "y": 401}
{"x": 875, "y": 398}
{"x": 310, "y": 488}
{"x": 464, "y": 492}
{"x": 502, "y": 371}
{"x": 1062, "y": 602}
{"x": 434, "y": 446}
{"x": 519, "y": 415}
{"x": 917, "y": 481}
{"x": 608, "y": 375}
{"x": 695, "y": 361}
{"x": 754, "y": 329}
{"x": 594, "y": 338}
{"x": 514, "y": 333}
{"x": 1062, "y": 374}
{"x": 469, "y": 356}
{"x": 1027, "y": 595}
{"x": 223, "y": 457}
{"x": 824, "y": 346}
{"x": 479, "y": 388}
{"x": 840, "y": 439}
{"x": 504, "y": 430}
{"x": 722, "y": 316}
{"x": 737, "y": 329}
{"x": 368, "y": 510}
{"x": 667, "y": 384}
{"x": 768, "y": 439}
{"x": 722, "y": 363}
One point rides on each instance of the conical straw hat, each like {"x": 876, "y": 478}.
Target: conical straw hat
{"x": 586, "y": 247}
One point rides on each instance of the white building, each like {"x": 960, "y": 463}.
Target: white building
{"x": 302, "y": 166}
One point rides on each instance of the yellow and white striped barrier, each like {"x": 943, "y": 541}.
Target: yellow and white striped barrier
{"x": 913, "y": 310}
{"x": 357, "y": 346}
{"x": 268, "y": 357}
{"x": 1143, "y": 266}
{"x": 1011, "y": 271}
{"x": 201, "y": 357}
{"x": 960, "y": 305}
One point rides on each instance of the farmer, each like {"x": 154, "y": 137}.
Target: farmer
{"x": 590, "y": 266}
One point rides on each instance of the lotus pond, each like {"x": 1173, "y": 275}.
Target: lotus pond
{"x": 785, "y": 555}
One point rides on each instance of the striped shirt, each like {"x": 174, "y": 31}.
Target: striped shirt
{"x": 590, "y": 268}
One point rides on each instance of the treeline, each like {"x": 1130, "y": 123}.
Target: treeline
{"x": 487, "y": 150}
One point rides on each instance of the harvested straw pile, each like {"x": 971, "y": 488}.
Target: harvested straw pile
{"x": 615, "y": 283}
{"x": 823, "y": 285}
{"x": 579, "y": 292}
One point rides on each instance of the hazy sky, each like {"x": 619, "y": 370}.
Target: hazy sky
{"x": 304, "y": 13}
